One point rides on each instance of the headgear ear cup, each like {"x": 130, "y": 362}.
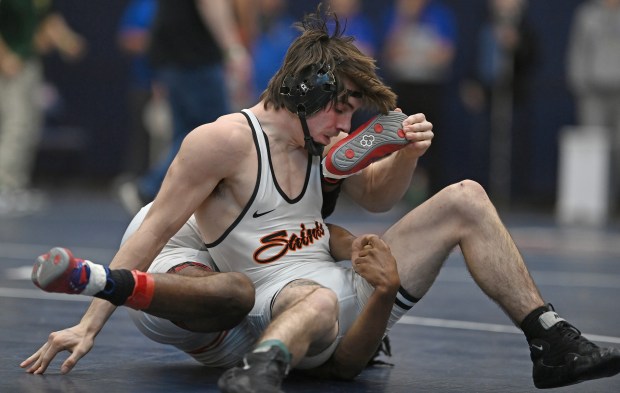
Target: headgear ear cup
{"x": 308, "y": 93}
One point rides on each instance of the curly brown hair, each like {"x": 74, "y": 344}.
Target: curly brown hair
{"x": 338, "y": 53}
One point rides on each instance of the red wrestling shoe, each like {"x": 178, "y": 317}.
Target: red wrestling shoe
{"x": 375, "y": 139}
{"x": 59, "y": 271}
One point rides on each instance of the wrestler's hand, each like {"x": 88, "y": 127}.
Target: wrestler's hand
{"x": 74, "y": 340}
{"x": 419, "y": 132}
{"x": 372, "y": 259}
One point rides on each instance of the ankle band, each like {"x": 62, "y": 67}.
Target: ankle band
{"x": 143, "y": 290}
{"x": 97, "y": 279}
{"x": 548, "y": 319}
{"x": 530, "y": 325}
{"x": 265, "y": 345}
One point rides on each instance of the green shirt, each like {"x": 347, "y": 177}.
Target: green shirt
{"x": 19, "y": 21}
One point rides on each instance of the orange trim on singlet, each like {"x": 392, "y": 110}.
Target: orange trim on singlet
{"x": 181, "y": 266}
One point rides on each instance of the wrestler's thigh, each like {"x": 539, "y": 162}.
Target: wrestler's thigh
{"x": 421, "y": 241}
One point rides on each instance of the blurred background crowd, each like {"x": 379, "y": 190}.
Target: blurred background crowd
{"x": 101, "y": 93}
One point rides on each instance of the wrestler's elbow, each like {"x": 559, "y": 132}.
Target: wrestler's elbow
{"x": 334, "y": 370}
{"x": 347, "y": 372}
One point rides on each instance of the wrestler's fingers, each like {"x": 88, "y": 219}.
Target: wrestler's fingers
{"x": 71, "y": 362}
{"x": 369, "y": 242}
{"x": 420, "y": 127}
{"x": 32, "y": 360}
{"x": 363, "y": 240}
{"x": 420, "y": 136}
{"x": 44, "y": 360}
{"x": 414, "y": 119}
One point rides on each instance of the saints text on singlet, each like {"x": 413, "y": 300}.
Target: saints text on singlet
{"x": 274, "y": 233}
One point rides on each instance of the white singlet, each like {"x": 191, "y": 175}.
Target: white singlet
{"x": 271, "y": 263}
{"x": 277, "y": 240}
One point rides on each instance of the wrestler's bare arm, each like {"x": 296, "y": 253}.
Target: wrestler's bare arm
{"x": 199, "y": 166}
{"x": 193, "y": 175}
{"x": 371, "y": 258}
{"x": 340, "y": 242}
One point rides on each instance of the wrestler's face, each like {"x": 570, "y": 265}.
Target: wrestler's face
{"x": 335, "y": 118}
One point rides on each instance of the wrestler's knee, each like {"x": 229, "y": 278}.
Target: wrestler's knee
{"x": 241, "y": 294}
{"x": 322, "y": 305}
{"x": 320, "y": 302}
{"x": 467, "y": 198}
{"x": 324, "y": 309}
{"x": 325, "y": 303}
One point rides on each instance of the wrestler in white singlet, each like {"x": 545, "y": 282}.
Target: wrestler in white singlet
{"x": 274, "y": 241}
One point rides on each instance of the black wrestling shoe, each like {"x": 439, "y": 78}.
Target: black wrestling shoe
{"x": 260, "y": 372}
{"x": 385, "y": 348}
{"x": 562, "y": 356}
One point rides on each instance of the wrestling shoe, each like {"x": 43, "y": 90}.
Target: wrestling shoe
{"x": 260, "y": 372}
{"x": 562, "y": 356}
{"x": 380, "y": 136}
{"x": 59, "y": 271}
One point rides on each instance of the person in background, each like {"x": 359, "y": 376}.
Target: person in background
{"x": 133, "y": 39}
{"x": 195, "y": 48}
{"x": 418, "y": 52}
{"x": 28, "y": 30}
{"x": 275, "y": 32}
{"x": 358, "y": 24}
{"x": 496, "y": 91}
{"x": 594, "y": 74}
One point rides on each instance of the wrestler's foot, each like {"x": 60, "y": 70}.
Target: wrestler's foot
{"x": 375, "y": 139}
{"x": 59, "y": 271}
{"x": 562, "y": 356}
{"x": 261, "y": 372}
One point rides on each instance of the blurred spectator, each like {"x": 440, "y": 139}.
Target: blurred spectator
{"x": 358, "y": 25}
{"x": 195, "y": 47}
{"x": 133, "y": 39}
{"x": 418, "y": 54}
{"x": 28, "y": 29}
{"x": 496, "y": 92}
{"x": 274, "y": 34}
{"x": 245, "y": 12}
{"x": 594, "y": 72}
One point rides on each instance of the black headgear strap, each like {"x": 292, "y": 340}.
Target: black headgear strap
{"x": 314, "y": 148}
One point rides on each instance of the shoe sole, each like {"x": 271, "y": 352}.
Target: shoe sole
{"x": 51, "y": 270}
{"x": 379, "y": 137}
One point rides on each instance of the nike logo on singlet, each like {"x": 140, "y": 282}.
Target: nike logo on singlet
{"x": 257, "y": 214}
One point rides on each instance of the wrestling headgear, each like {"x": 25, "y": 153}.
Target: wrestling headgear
{"x": 308, "y": 93}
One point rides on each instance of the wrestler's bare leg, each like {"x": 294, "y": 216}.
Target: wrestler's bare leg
{"x": 462, "y": 215}
{"x": 200, "y": 300}
{"x": 305, "y": 319}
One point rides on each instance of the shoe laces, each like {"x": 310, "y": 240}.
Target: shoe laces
{"x": 568, "y": 331}
{"x": 571, "y": 339}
